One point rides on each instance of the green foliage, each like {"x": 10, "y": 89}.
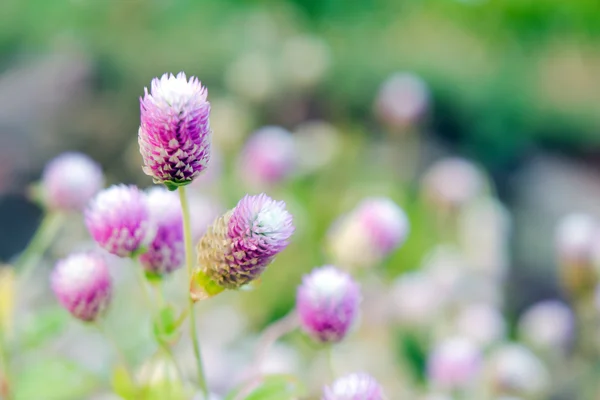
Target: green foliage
{"x": 53, "y": 379}
{"x": 48, "y": 323}
{"x": 273, "y": 387}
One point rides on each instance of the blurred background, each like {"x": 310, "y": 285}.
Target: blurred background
{"x": 432, "y": 103}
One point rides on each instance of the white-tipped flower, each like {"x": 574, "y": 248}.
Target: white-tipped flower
{"x": 69, "y": 181}
{"x": 369, "y": 233}
{"x": 577, "y": 236}
{"x": 455, "y": 363}
{"x": 514, "y": 370}
{"x": 548, "y": 325}
{"x": 82, "y": 284}
{"x": 357, "y": 386}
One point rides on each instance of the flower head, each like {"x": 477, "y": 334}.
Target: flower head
{"x": 239, "y": 245}
{"x": 454, "y": 363}
{"x": 118, "y": 220}
{"x": 327, "y": 303}
{"x": 166, "y": 253}
{"x": 82, "y": 284}
{"x": 375, "y": 228}
{"x": 356, "y": 386}
{"x": 452, "y": 182}
{"x": 70, "y": 180}
{"x": 268, "y": 156}
{"x": 515, "y": 370}
{"x": 548, "y": 325}
{"x": 403, "y": 100}
{"x": 174, "y": 134}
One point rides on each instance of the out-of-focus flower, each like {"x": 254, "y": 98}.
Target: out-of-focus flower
{"x": 515, "y": 370}
{"x": 576, "y": 238}
{"x": 232, "y": 120}
{"x": 452, "y": 182}
{"x": 166, "y": 252}
{"x": 239, "y": 245}
{"x": 304, "y": 60}
{"x": 484, "y": 228}
{"x": 203, "y": 212}
{"x": 327, "y": 303}
{"x": 69, "y": 181}
{"x": 375, "y": 228}
{"x": 415, "y": 299}
{"x": 454, "y": 363}
{"x": 481, "y": 323}
{"x": 119, "y": 220}
{"x": 402, "y": 101}
{"x": 174, "y": 134}
{"x": 251, "y": 77}
{"x": 319, "y": 144}
{"x": 268, "y": 157}
{"x": 356, "y": 386}
{"x": 548, "y": 325}
{"x": 82, "y": 284}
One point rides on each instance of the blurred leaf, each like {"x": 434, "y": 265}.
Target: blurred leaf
{"x": 122, "y": 384}
{"x": 54, "y": 379}
{"x": 48, "y": 323}
{"x": 166, "y": 325}
{"x": 411, "y": 353}
{"x": 202, "y": 287}
{"x": 274, "y": 387}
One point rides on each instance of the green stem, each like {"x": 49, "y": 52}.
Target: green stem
{"x": 38, "y": 244}
{"x": 330, "y": 362}
{"x": 189, "y": 257}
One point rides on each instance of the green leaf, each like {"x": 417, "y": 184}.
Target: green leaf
{"x": 274, "y": 387}
{"x": 166, "y": 325}
{"x": 122, "y": 384}
{"x": 54, "y": 379}
{"x": 174, "y": 185}
{"x": 202, "y": 287}
{"x": 48, "y": 323}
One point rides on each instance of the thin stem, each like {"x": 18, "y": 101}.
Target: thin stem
{"x": 189, "y": 257}
{"x": 330, "y": 361}
{"x": 42, "y": 238}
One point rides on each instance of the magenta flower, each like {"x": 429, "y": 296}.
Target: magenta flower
{"x": 82, "y": 284}
{"x": 119, "y": 220}
{"x": 327, "y": 303}
{"x": 370, "y": 232}
{"x": 166, "y": 252}
{"x": 268, "y": 157}
{"x": 70, "y": 180}
{"x": 174, "y": 134}
{"x": 357, "y": 386}
{"x": 239, "y": 245}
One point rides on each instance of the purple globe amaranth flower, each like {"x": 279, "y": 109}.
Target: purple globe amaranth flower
{"x": 69, "y": 181}
{"x": 327, "y": 303}
{"x": 370, "y": 232}
{"x": 174, "y": 134}
{"x": 356, "y": 386}
{"x": 166, "y": 252}
{"x": 268, "y": 157}
{"x": 82, "y": 284}
{"x": 239, "y": 245}
{"x": 119, "y": 220}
